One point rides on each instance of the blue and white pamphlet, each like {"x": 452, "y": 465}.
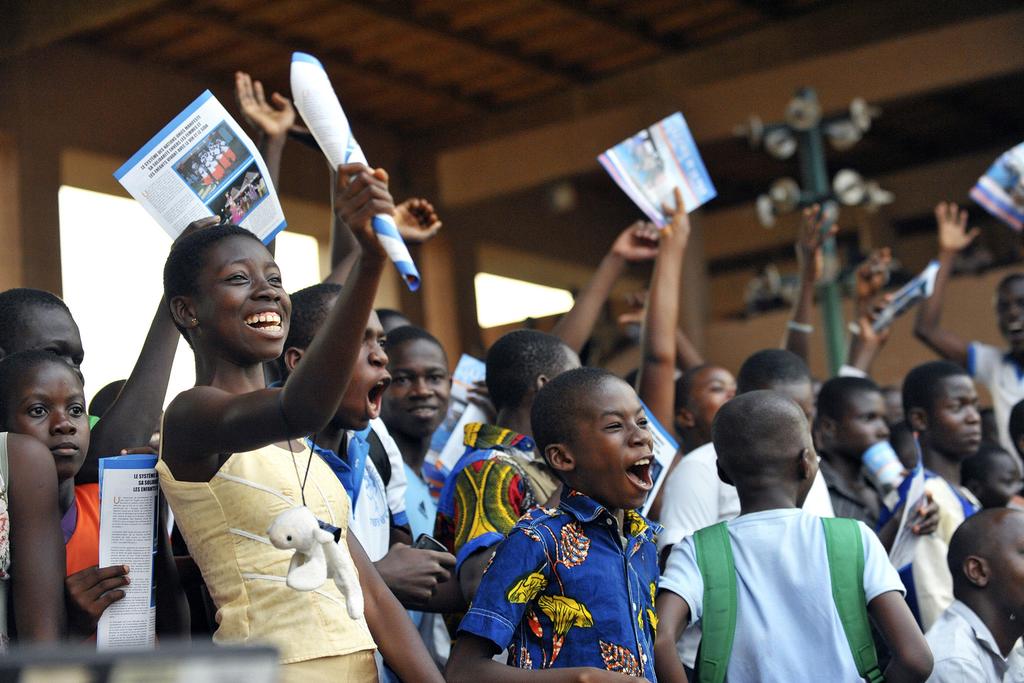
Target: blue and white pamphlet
{"x": 915, "y": 291}
{"x": 203, "y": 164}
{"x": 1001, "y": 190}
{"x": 651, "y": 164}
{"x": 129, "y": 521}
{"x": 665, "y": 449}
{"x": 446, "y": 444}
{"x": 319, "y": 107}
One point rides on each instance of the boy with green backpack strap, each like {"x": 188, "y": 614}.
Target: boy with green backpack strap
{"x": 782, "y": 595}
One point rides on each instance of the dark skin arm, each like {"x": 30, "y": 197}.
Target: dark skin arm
{"x": 471, "y": 661}
{"x": 172, "y": 614}
{"x": 911, "y": 658}
{"x": 135, "y": 414}
{"x": 472, "y": 570}
{"x": 206, "y": 421}
{"x": 636, "y": 243}
{"x": 656, "y": 382}
{"x": 953, "y": 238}
{"x": 416, "y": 222}
{"x": 809, "y": 260}
{"x": 420, "y": 579}
{"x": 272, "y": 119}
{"x": 36, "y": 540}
{"x": 399, "y": 642}
{"x": 687, "y": 354}
{"x": 673, "y": 618}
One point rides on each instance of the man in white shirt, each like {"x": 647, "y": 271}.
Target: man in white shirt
{"x": 974, "y": 637}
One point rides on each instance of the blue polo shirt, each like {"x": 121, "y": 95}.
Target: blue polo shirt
{"x": 566, "y": 589}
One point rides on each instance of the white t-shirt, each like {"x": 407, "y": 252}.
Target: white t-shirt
{"x": 787, "y": 626}
{"x": 1004, "y": 380}
{"x": 370, "y": 517}
{"x": 696, "y": 498}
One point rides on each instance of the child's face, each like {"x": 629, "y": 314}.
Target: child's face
{"x": 954, "y": 425}
{"x": 417, "y": 400}
{"x": 862, "y": 425}
{"x": 49, "y": 404}
{"x": 242, "y": 305}
{"x": 710, "y": 389}
{"x": 50, "y": 329}
{"x": 610, "y": 440}
{"x": 365, "y": 392}
{"x": 1010, "y": 312}
{"x": 1002, "y": 481}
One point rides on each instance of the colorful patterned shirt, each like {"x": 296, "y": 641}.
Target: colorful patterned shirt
{"x": 566, "y": 589}
{"x": 496, "y": 481}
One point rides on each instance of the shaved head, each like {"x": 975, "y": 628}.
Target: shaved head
{"x": 758, "y": 436}
{"x": 985, "y": 535}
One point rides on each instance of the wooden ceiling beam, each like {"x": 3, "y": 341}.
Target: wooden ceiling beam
{"x": 26, "y": 25}
{"x": 404, "y": 11}
{"x": 337, "y": 60}
{"x": 621, "y": 22}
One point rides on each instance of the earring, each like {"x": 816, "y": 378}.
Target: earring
{"x": 195, "y": 322}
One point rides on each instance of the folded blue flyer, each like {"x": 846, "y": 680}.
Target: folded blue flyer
{"x": 665, "y": 449}
{"x": 1001, "y": 190}
{"x": 655, "y": 161}
{"x": 446, "y": 444}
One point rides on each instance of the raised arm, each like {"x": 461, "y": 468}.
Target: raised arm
{"x": 687, "y": 354}
{"x": 809, "y": 262}
{"x": 205, "y": 421}
{"x": 638, "y": 242}
{"x": 135, "y": 413}
{"x": 37, "y": 545}
{"x": 415, "y": 218}
{"x": 953, "y": 238}
{"x": 871, "y": 276}
{"x": 658, "y": 339}
{"x": 272, "y": 120}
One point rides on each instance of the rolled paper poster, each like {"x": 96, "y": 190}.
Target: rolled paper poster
{"x": 320, "y": 108}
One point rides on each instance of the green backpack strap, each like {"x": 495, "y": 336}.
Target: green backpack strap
{"x": 846, "y": 569}
{"x": 718, "y": 623}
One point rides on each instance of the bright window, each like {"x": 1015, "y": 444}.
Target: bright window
{"x": 503, "y": 300}
{"x": 112, "y": 260}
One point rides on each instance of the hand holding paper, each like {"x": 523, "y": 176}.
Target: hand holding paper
{"x": 320, "y": 109}
{"x": 359, "y": 196}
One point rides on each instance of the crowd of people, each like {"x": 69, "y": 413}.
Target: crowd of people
{"x": 765, "y": 556}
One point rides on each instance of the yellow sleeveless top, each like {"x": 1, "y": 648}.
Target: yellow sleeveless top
{"x": 225, "y": 521}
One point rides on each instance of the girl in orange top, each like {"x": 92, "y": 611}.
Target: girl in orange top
{"x": 44, "y": 398}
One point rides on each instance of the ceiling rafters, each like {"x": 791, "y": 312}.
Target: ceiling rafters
{"x": 405, "y": 12}
{"x": 336, "y": 59}
{"x": 622, "y": 23}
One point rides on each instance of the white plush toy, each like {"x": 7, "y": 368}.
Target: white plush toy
{"x": 317, "y": 557}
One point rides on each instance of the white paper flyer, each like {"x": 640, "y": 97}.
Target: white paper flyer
{"x": 655, "y": 161}
{"x": 446, "y": 445}
{"x": 912, "y": 495}
{"x": 915, "y": 291}
{"x": 203, "y": 164}
{"x": 128, "y": 535}
{"x": 321, "y": 110}
{"x": 665, "y": 449}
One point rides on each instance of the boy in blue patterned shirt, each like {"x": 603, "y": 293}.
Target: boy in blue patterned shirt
{"x": 571, "y": 590}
